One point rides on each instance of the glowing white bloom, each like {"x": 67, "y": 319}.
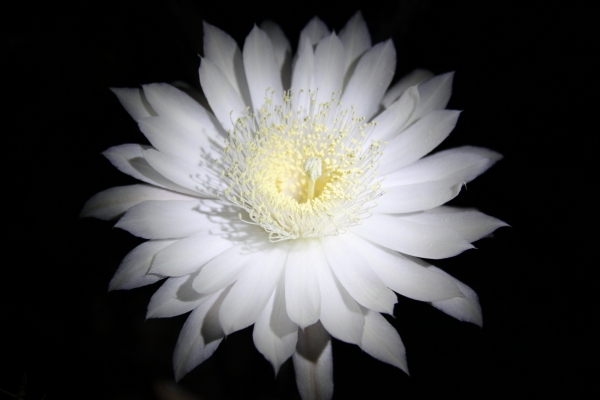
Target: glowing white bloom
{"x": 300, "y": 211}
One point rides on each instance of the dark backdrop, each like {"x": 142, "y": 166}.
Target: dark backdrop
{"x": 521, "y": 78}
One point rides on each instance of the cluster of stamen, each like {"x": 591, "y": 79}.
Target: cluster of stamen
{"x": 301, "y": 173}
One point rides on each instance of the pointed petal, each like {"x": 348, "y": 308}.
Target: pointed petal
{"x": 171, "y": 103}
{"x": 172, "y": 139}
{"x": 282, "y": 48}
{"x": 465, "y": 308}
{"x": 262, "y": 70}
{"x": 250, "y": 294}
{"x": 412, "y": 79}
{"x": 356, "y": 39}
{"x": 112, "y": 203}
{"x": 434, "y": 94}
{"x": 419, "y": 196}
{"x": 396, "y": 233}
{"x": 303, "y": 82}
{"x": 304, "y": 70}
{"x": 203, "y": 180}
{"x": 224, "y": 53}
{"x": 417, "y": 140}
{"x": 314, "y": 31}
{"x": 190, "y": 254}
{"x": 370, "y": 80}
{"x": 329, "y": 63}
{"x": 133, "y": 270}
{"x": 473, "y": 225}
{"x": 174, "y": 297}
{"x": 403, "y": 274}
{"x": 200, "y": 335}
{"x": 226, "y": 268}
{"x": 461, "y": 164}
{"x": 274, "y": 334}
{"x": 224, "y": 100}
{"x": 313, "y": 363}
{"x": 391, "y": 122}
{"x": 302, "y": 294}
{"x": 358, "y": 278}
{"x": 434, "y": 180}
{"x": 164, "y": 219}
{"x": 134, "y": 102}
{"x": 128, "y": 158}
{"x": 340, "y": 314}
{"x": 380, "y": 340}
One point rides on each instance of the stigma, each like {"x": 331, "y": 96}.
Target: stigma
{"x": 313, "y": 170}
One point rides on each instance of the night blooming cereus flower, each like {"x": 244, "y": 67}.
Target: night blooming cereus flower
{"x": 300, "y": 211}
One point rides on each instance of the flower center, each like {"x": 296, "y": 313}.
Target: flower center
{"x": 301, "y": 172}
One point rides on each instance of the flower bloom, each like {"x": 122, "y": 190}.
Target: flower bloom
{"x": 299, "y": 202}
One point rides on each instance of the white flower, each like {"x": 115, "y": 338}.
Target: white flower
{"x": 300, "y": 211}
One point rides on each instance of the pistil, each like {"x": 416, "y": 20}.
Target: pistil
{"x": 312, "y": 167}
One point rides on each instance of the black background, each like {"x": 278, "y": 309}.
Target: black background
{"x": 524, "y": 83}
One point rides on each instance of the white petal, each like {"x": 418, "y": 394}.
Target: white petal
{"x": 128, "y": 158}
{"x": 173, "y": 139}
{"x": 223, "y": 52}
{"x": 282, "y": 48}
{"x": 164, "y": 219}
{"x": 412, "y": 79}
{"x": 250, "y": 294}
{"x": 356, "y": 39}
{"x": 418, "y": 196}
{"x": 380, "y": 340}
{"x": 226, "y": 268}
{"x": 190, "y": 254}
{"x": 302, "y": 294}
{"x": 396, "y": 233}
{"x": 417, "y": 140}
{"x": 392, "y": 121}
{"x": 175, "y": 297}
{"x": 313, "y": 363}
{"x": 133, "y": 270}
{"x": 473, "y": 225}
{"x": 200, "y": 335}
{"x": 262, "y": 70}
{"x": 112, "y": 203}
{"x": 358, "y": 278}
{"x": 340, "y": 314}
{"x": 304, "y": 70}
{"x": 462, "y": 308}
{"x": 170, "y": 102}
{"x": 329, "y": 62}
{"x": 303, "y": 82}
{"x": 434, "y": 94}
{"x": 434, "y": 180}
{"x": 195, "y": 178}
{"x": 134, "y": 102}
{"x": 274, "y": 334}
{"x": 224, "y": 99}
{"x": 461, "y": 164}
{"x": 403, "y": 274}
{"x": 314, "y": 31}
{"x": 370, "y": 80}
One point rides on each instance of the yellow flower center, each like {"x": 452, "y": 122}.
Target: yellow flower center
{"x": 301, "y": 173}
